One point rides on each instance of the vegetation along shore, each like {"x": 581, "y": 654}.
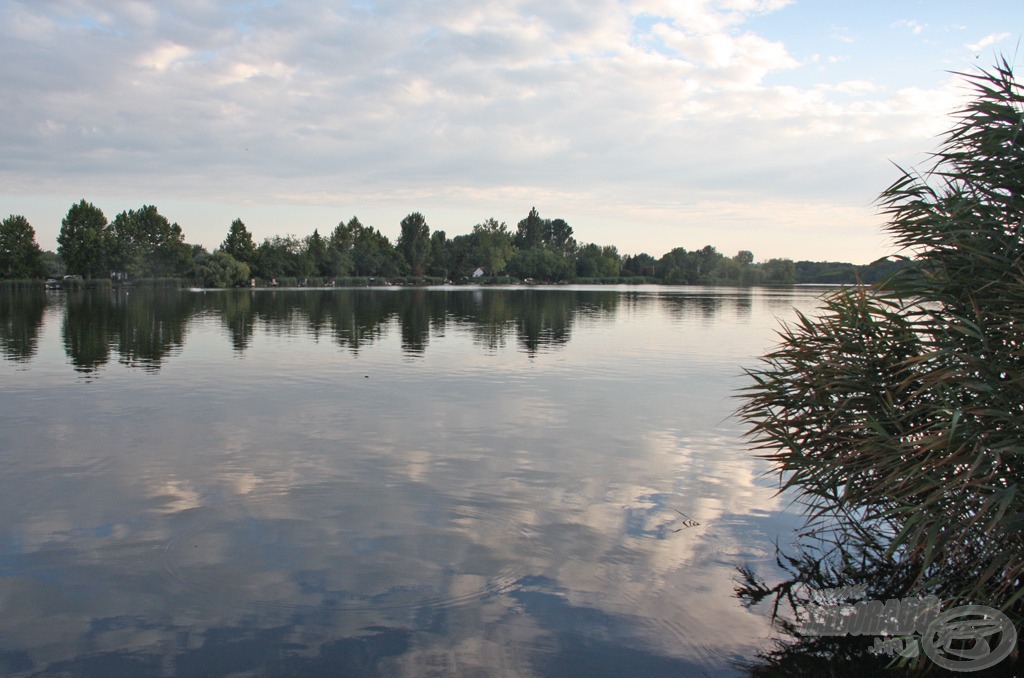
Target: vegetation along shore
{"x": 143, "y": 246}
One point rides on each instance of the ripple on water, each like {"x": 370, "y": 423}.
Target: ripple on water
{"x": 344, "y": 547}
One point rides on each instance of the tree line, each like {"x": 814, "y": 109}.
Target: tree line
{"x": 143, "y": 243}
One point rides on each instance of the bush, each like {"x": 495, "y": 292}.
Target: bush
{"x": 223, "y": 270}
{"x": 897, "y": 415}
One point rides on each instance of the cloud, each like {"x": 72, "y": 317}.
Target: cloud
{"x": 915, "y": 27}
{"x": 165, "y": 56}
{"x": 248, "y": 102}
{"x": 988, "y": 41}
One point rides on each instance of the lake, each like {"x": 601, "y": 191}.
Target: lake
{"x": 396, "y": 482}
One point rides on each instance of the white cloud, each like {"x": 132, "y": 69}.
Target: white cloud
{"x": 165, "y": 56}
{"x": 623, "y": 103}
{"x": 912, "y": 25}
{"x": 988, "y": 41}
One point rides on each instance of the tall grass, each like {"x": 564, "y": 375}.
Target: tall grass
{"x": 896, "y": 415}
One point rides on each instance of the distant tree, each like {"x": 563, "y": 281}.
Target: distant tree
{"x": 440, "y": 255}
{"x": 464, "y": 255}
{"x": 343, "y": 236}
{"x": 53, "y": 267}
{"x": 677, "y": 266}
{"x": 708, "y": 260}
{"x": 642, "y": 264}
{"x": 143, "y": 243}
{"x": 81, "y": 240}
{"x": 539, "y": 264}
{"x": 222, "y": 270}
{"x": 170, "y": 254}
{"x": 374, "y": 255}
{"x": 824, "y": 272}
{"x": 530, "y": 231}
{"x": 414, "y": 242}
{"x": 339, "y": 247}
{"x": 198, "y": 252}
{"x": 558, "y": 237}
{"x": 779, "y": 271}
{"x": 20, "y": 255}
{"x": 594, "y": 261}
{"x": 281, "y": 256}
{"x": 317, "y": 253}
{"x": 744, "y": 258}
{"x": 121, "y": 242}
{"x": 494, "y": 245}
{"x": 239, "y": 243}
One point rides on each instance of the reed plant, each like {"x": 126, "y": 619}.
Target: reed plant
{"x": 895, "y": 415}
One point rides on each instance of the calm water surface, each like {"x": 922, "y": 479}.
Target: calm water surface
{"x": 382, "y": 482}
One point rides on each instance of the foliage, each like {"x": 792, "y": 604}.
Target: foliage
{"x": 530, "y": 231}
{"x": 778, "y": 272}
{"x": 143, "y": 243}
{"x": 440, "y": 255}
{"x": 81, "y": 241}
{"x": 539, "y": 264}
{"x": 594, "y": 261}
{"x": 318, "y": 254}
{"x": 558, "y": 237}
{"x": 223, "y": 270}
{"x": 414, "y": 242}
{"x": 897, "y": 415}
{"x": 494, "y": 245}
{"x": 20, "y": 256}
{"x": 374, "y": 255}
{"x": 642, "y": 264}
{"x": 239, "y": 243}
{"x": 53, "y": 266}
{"x": 834, "y": 272}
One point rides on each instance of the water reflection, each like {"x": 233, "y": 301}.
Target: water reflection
{"x": 144, "y": 328}
{"x": 21, "y": 315}
{"x": 381, "y": 482}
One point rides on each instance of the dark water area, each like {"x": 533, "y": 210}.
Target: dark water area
{"x": 452, "y": 481}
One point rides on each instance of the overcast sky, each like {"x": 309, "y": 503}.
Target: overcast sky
{"x": 766, "y": 125}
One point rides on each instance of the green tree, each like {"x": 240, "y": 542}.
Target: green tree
{"x": 494, "y": 245}
{"x": 594, "y": 261}
{"x": 677, "y": 266}
{"x": 530, "y": 231}
{"x": 221, "y": 269}
{"x": 143, "y": 243}
{"x": 463, "y": 255}
{"x": 642, "y": 264}
{"x": 317, "y": 253}
{"x": 20, "y": 255}
{"x": 339, "y": 247}
{"x": 558, "y": 237}
{"x": 414, "y": 242}
{"x": 53, "y": 267}
{"x": 539, "y": 264}
{"x": 779, "y": 271}
{"x": 897, "y": 414}
{"x": 239, "y": 243}
{"x": 374, "y": 255}
{"x": 440, "y": 255}
{"x": 81, "y": 243}
{"x": 281, "y": 256}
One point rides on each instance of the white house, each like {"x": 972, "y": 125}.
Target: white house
{"x": 478, "y": 272}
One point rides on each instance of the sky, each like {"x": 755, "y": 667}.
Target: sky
{"x": 764, "y": 125}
